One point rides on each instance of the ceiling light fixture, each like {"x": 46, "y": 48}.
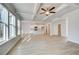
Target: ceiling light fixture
{"x": 47, "y": 13}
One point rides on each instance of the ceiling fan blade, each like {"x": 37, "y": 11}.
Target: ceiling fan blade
{"x": 52, "y": 12}
{"x": 43, "y": 9}
{"x": 42, "y": 13}
{"x": 52, "y": 8}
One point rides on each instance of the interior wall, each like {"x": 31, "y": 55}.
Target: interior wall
{"x": 73, "y": 25}
{"x": 54, "y": 27}
{"x": 69, "y": 26}
{"x": 28, "y": 27}
{"x": 25, "y": 27}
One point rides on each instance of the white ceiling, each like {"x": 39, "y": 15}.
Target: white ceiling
{"x": 31, "y": 11}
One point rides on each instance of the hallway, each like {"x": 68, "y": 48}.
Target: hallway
{"x": 45, "y": 45}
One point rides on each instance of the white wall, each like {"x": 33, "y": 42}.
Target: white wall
{"x": 69, "y": 26}
{"x": 28, "y": 27}
{"x": 73, "y": 25}
{"x": 54, "y": 27}
{"x": 25, "y": 27}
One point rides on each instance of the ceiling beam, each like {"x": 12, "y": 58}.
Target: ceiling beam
{"x": 36, "y": 9}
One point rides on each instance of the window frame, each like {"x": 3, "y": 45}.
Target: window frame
{"x": 3, "y": 22}
{"x": 16, "y": 32}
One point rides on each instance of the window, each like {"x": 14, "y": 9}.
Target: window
{"x": 18, "y": 27}
{"x": 12, "y": 26}
{"x": 3, "y": 23}
{"x": 8, "y": 25}
{"x": 1, "y": 32}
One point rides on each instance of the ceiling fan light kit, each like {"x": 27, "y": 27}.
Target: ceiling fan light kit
{"x": 47, "y": 13}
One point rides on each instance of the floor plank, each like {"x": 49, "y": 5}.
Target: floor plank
{"x": 45, "y": 45}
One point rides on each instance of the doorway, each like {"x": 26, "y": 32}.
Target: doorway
{"x": 48, "y": 29}
{"x": 59, "y": 29}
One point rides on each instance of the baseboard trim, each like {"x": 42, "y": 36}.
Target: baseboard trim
{"x": 72, "y": 41}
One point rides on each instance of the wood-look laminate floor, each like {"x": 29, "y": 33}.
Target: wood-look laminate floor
{"x": 45, "y": 45}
